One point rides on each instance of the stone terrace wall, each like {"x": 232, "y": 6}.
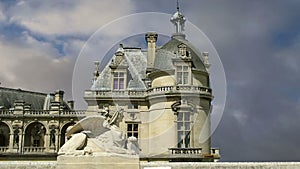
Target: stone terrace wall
{"x": 27, "y": 164}
{"x": 163, "y": 165}
{"x": 222, "y": 165}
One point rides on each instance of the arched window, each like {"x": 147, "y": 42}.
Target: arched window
{"x": 4, "y": 135}
{"x": 34, "y": 135}
{"x": 63, "y": 138}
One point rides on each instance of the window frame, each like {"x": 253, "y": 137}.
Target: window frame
{"x": 134, "y": 131}
{"x": 184, "y": 128}
{"x": 117, "y": 78}
{"x": 183, "y": 74}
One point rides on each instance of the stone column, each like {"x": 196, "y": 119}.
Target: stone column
{"x": 21, "y": 141}
{"x": 57, "y": 139}
{"x": 11, "y": 142}
{"x": 47, "y": 142}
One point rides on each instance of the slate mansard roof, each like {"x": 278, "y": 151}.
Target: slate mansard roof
{"x": 164, "y": 55}
{"x": 136, "y": 60}
{"x": 9, "y": 96}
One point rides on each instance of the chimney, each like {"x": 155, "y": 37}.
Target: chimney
{"x": 151, "y": 38}
{"x": 206, "y": 60}
{"x": 71, "y": 104}
{"x": 59, "y": 96}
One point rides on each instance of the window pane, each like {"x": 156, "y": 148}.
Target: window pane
{"x": 116, "y": 74}
{"x": 121, "y": 74}
{"x": 136, "y": 127}
{"x": 185, "y": 68}
{"x": 185, "y": 78}
{"x": 187, "y": 126}
{"x": 187, "y": 116}
{"x": 135, "y": 135}
{"x": 121, "y": 83}
{"x": 179, "y": 68}
{"x": 180, "y": 117}
{"x": 129, "y": 127}
{"x": 179, "y": 77}
{"x": 115, "y": 83}
{"x": 187, "y": 140}
{"x": 180, "y": 126}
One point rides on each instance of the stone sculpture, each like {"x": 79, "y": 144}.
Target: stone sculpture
{"x": 88, "y": 137}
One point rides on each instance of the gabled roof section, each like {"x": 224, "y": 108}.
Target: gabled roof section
{"x": 135, "y": 60}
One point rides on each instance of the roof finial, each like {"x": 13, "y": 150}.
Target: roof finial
{"x": 178, "y": 5}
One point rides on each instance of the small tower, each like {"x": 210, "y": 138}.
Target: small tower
{"x": 178, "y": 20}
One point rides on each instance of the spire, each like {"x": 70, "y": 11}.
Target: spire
{"x": 178, "y": 20}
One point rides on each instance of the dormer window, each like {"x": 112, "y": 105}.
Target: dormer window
{"x": 119, "y": 79}
{"x": 182, "y": 49}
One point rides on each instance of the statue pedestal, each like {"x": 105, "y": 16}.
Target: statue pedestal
{"x": 102, "y": 160}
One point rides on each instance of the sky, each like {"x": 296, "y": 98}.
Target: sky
{"x": 258, "y": 43}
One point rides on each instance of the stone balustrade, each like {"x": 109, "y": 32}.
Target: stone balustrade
{"x": 33, "y": 149}
{"x": 112, "y": 93}
{"x": 185, "y": 151}
{"x": 34, "y": 113}
{"x": 201, "y": 90}
{"x": 155, "y": 90}
{"x": 6, "y": 112}
{"x": 4, "y": 149}
{"x": 73, "y": 113}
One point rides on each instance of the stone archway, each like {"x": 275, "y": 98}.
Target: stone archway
{"x": 4, "y": 135}
{"x": 63, "y": 138}
{"x": 35, "y": 135}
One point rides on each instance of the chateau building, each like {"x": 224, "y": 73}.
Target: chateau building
{"x": 165, "y": 94}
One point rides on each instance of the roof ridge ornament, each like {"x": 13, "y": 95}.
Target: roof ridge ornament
{"x": 178, "y": 20}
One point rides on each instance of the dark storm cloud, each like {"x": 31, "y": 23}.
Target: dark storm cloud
{"x": 263, "y": 91}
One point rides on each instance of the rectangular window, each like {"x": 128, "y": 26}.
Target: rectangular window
{"x": 182, "y": 75}
{"x": 119, "y": 81}
{"x": 133, "y": 130}
{"x": 183, "y": 129}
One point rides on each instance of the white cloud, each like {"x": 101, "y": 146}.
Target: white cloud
{"x": 73, "y": 17}
{"x": 240, "y": 116}
{"x": 33, "y": 65}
